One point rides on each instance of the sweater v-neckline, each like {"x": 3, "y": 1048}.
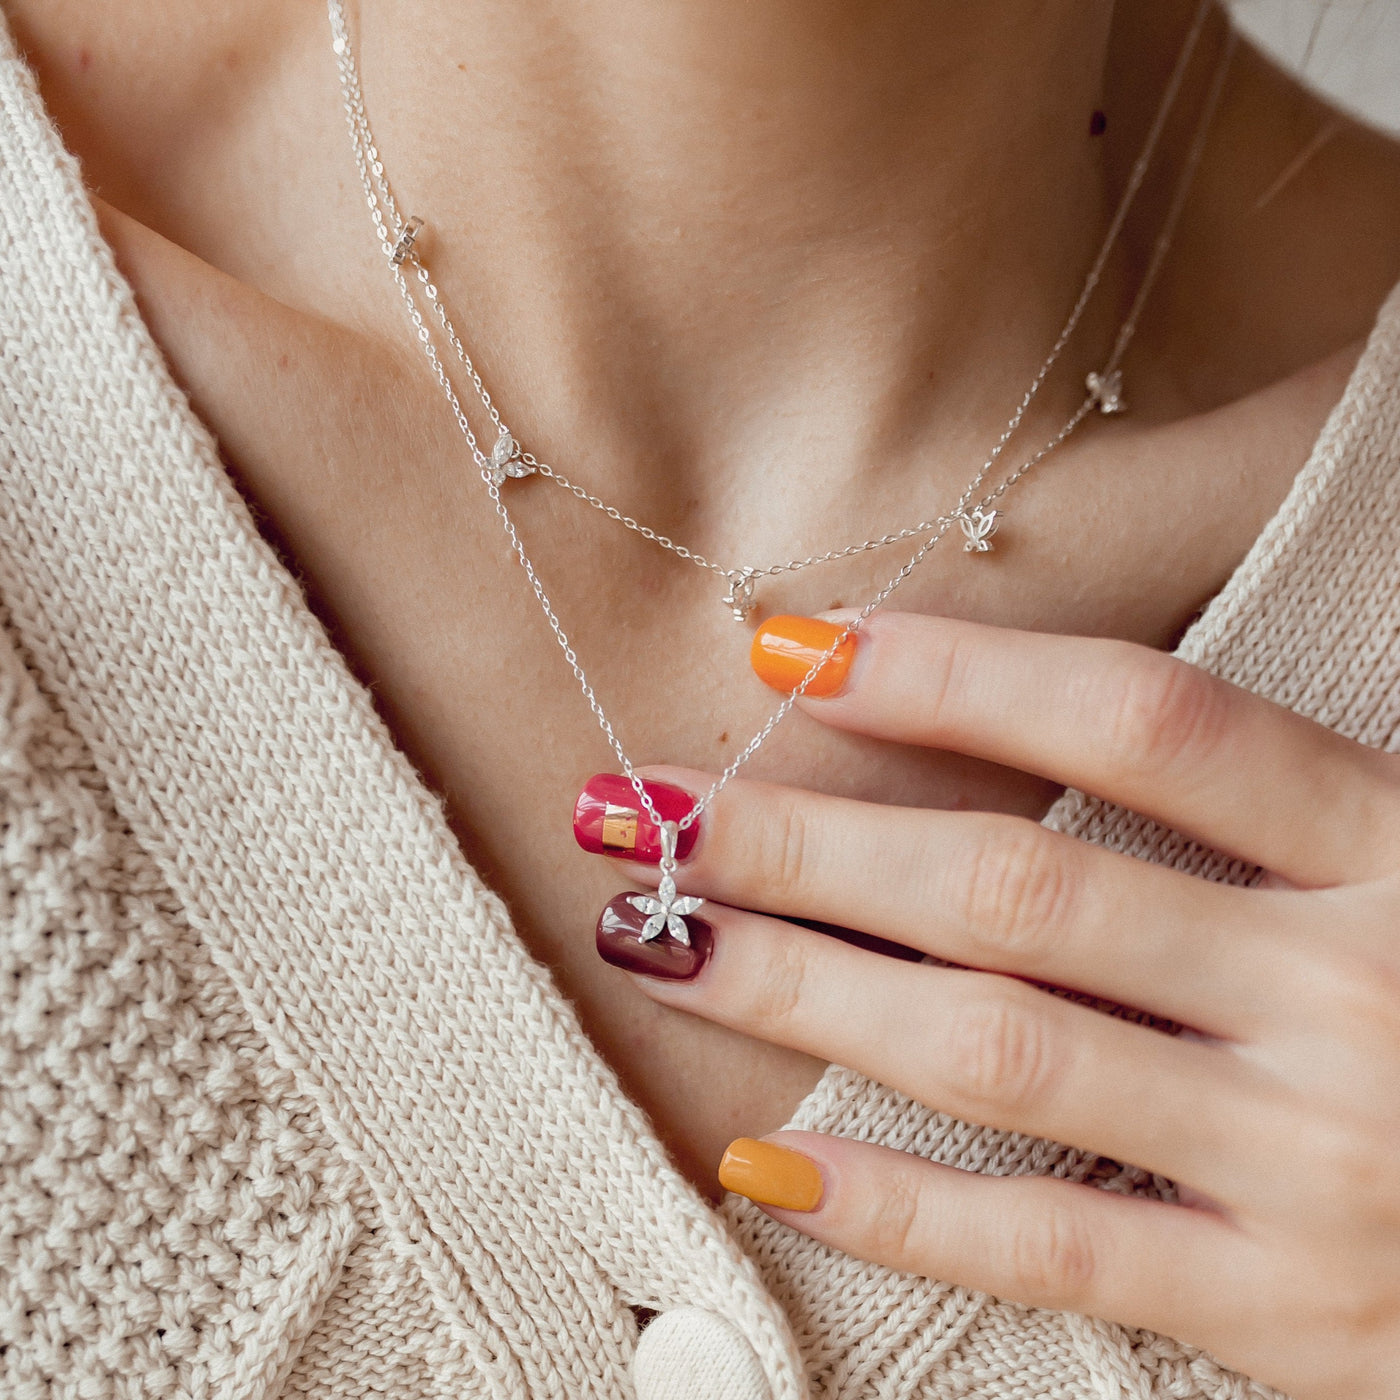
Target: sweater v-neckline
{"x": 302, "y": 844}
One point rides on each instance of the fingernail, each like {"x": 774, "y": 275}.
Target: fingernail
{"x": 786, "y": 648}
{"x": 609, "y": 819}
{"x": 771, "y": 1175}
{"x": 620, "y": 943}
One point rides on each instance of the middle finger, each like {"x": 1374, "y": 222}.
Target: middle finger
{"x": 999, "y": 893}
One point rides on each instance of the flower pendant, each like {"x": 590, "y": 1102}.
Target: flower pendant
{"x": 666, "y": 910}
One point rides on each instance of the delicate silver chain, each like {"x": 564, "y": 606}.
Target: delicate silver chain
{"x": 381, "y": 202}
{"x": 398, "y": 250}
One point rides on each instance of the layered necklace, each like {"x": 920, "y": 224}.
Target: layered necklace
{"x": 975, "y": 517}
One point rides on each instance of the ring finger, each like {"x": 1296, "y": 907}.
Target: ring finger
{"x": 982, "y": 1047}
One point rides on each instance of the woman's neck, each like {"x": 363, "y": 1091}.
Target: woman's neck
{"x": 711, "y": 221}
{"x": 696, "y": 248}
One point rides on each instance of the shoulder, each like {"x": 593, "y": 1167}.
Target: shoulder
{"x": 1290, "y": 245}
{"x": 142, "y": 90}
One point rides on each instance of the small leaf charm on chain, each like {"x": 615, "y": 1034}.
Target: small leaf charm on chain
{"x": 1106, "y": 391}
{"x": 739, "y": 599}
{"x": 978, "y": 527}
{"x": 506, "y": 460}
{"x": 666, "y": 911}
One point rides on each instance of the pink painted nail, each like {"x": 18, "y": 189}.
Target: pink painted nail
{"x": 609, "y": 820}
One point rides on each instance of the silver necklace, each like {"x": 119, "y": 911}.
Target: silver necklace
{"x": 399, "y": 238}
{"x": 977, "y": 519}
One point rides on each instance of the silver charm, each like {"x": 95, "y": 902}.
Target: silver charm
{"x": 408, "y": 236}
{"x": 506, "y": 460}
{"x": 978, "y": 529}
{"x": 1106, "y": 391}
{"x": 739, "y": 599}
{"x": 666, "y": 911}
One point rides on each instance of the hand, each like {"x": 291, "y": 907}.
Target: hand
{"x": 1279, "y": 1114}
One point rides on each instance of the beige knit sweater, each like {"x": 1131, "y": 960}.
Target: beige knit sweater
{"x": 285, "y": 1108}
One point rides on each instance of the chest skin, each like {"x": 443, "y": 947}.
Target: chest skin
{"x": 341, "y": 442}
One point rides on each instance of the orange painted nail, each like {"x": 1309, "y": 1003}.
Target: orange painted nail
{"x": 786, "y": 648}
{"x": 771, "y": 1175}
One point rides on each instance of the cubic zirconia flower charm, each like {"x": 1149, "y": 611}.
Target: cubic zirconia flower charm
{"x": 1106, "y": 390}
{"x": 978, "y": 528}
{"x": 506, "y": 460}
{"x": 666, "y": 910}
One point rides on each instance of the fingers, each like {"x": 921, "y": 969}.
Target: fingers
{"x": 998, "y": 893}
{"x": 1134, "y": 726}
{"x": 985, "y": 1048}
{"x": 1046, "y": 1243}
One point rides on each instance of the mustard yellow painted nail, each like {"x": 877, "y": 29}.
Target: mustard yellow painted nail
{"x": 771, "y": 1175}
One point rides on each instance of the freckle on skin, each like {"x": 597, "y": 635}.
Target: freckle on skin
{"x": 84, "y": 60}
{"x": 283, "y": 360}
{"x": 724, "y": 738}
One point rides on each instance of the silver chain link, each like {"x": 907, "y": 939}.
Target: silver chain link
{"x": 397, "y": 246}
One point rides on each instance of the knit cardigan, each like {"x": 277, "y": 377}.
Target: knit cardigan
{"x": 286, "y": 1109}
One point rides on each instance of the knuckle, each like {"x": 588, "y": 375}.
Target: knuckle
{"x": 950, "y": 665}
{"x": 1361, "y": 1310}
{"x": 1018, "y": 892}
{"x": 1354, "y": 1154}
{"x": 894, "y": 1224}
{"x": 1165, "y": 713}
{"x": 784, "y": 853}
{"x": 1360, "y": 992}
{"x": 1052, "y": 1252}
{"x": 773, "y": 998}
{"x": 1001, "y": 1058}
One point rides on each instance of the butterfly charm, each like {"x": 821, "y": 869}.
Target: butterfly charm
{"x": 978, "y": 528}
{"x": 506, "y": 460}
{"x": 1106, "y": 391}
{"x": 666, "y": 912}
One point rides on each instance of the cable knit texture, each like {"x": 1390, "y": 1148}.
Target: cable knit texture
{"x": 285, "y": 1107}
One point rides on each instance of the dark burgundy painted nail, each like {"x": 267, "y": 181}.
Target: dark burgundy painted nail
{"x": 608, "y": 820}
{"x": 619, "y": 943}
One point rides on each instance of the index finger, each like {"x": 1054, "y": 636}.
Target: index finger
{"x": 1137, "y": 727}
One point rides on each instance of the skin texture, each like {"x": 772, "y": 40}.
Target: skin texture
{"x": 769, "y": 275}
